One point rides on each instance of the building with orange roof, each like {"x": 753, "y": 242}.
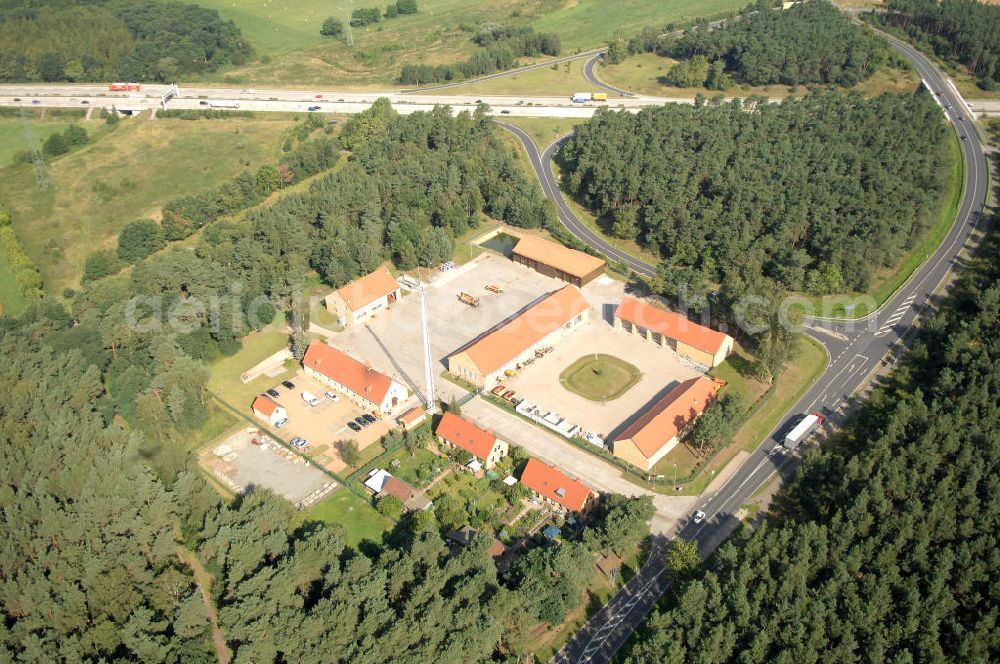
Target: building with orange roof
{"x": 269, "y": 410}
{"x": 359, "y": 300}
{"x": 544, "y": 323}
{"x": 658, "y": 430}
{"x": 463, "y": 434}
{"x": 370, "y": 389}
{"x": 552, "y": 485}
{"x": 555, "y": 260}
{"x": 412, "y": 418}
{"x": 697, "y": 343}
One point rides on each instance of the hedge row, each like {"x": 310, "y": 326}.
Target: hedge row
{"x": 26, "y": 275}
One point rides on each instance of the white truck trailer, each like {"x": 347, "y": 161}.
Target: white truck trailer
{"x": 802, "y": 430}
{"x": 224, "y": 103}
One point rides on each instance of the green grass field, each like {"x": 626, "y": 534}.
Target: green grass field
{"x": 587, "y": 23}
{"x": 126, "y": 174}
{"x": 224, "y": 377}
{"x": 14, "y": 139}
{"x": 287, "y": 34}
{"x": 600, "y": 377}
{"x": 354, "y": 514}
{"x": 560, "y": 80}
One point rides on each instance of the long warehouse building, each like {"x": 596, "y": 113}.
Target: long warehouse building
{"x": 485, "y": 360}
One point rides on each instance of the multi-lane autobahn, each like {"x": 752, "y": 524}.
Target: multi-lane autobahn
{"x": 855, "y": 348}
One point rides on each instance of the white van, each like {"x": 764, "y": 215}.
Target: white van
{"x": 309, "y": 398}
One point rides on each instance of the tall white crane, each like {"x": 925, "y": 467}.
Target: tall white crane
{"x": 428, "y": 366}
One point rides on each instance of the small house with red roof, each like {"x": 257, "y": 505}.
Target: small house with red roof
{"x": 269, "y": 410}
{"x": 458, "y": 432}
{"x": 555, "y": 487}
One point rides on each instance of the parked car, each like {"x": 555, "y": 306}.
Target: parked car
{"x": 331, "y": 396}
{"x": 698, "y": 517}
{"x": 370, "y": 419}
{"x": 361, "y": 420}
{"x": 288, "y": 384}
{"x": 281, "y": 423}
{"x": 273, "y": 393}
{"x": 299, "y": 443}
{"x": 354, "y": 426}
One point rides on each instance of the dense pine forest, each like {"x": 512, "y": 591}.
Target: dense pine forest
{"x": 99, "y": 40}
{"x": 812, "y": 42}
{"x": 966, "y": 31}
{"x": 812, "y": 194}
{"x": 884, "y": 546}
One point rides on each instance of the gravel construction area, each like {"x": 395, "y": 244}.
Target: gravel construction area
{"x": 250, "y": 459}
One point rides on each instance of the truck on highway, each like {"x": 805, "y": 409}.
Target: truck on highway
{"x": 224, "y": 103}
{"x": 583, "y": 97}
{"x": 124, "y": 87}
{"x": 801, "y": 431}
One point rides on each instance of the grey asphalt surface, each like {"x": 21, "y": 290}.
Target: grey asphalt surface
{"x": 855, "y": 348}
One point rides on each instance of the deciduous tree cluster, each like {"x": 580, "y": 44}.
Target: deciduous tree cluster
{"x": 60, "y": 40}
{"x": 502, "y": 45}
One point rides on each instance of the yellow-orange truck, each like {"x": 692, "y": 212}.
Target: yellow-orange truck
{"x": 600, "y": 96}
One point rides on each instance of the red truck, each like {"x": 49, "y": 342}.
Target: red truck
{"x": 124, "y": 87}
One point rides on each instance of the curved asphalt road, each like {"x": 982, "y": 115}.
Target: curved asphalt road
{"x": 855, "y": 348}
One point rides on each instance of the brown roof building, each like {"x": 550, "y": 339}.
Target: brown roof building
{"x": 414, "y": 500}
{"x": 359, "y": 300}
{"x": 555, "y": 260}
{"x": 553, "y": 485}
{"x": 696, "y": 342}
{"x": 463, "y": 434}
{"x": 361, "y": 383}
{"x": 544, "y": 323}
{"x": 658, "y": 430}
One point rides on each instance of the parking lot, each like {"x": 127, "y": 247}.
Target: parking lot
{"x": 324, "y": 424}
{"x": 250, "y": 458}
{"x": 393, "y": 343}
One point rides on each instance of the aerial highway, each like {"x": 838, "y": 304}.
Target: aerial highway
{"x": 855, "y": 348}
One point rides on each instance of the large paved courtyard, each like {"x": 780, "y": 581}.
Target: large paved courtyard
{"x": 392, "y": 341}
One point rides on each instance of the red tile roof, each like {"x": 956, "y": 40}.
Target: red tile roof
{"x": 494, "y": 349}
{"x": 668, "y": 417}
{"x": 558, "y": 256}
{"x": 412, "y": 415}
{"x": 368, "y": 288}
{"x": 671, "y": 325}
{"x": 462, "y": 433}
{"x": 349, "y": 372}
{"x": 265, "y": 405}
{"x": 551, "y": 483}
